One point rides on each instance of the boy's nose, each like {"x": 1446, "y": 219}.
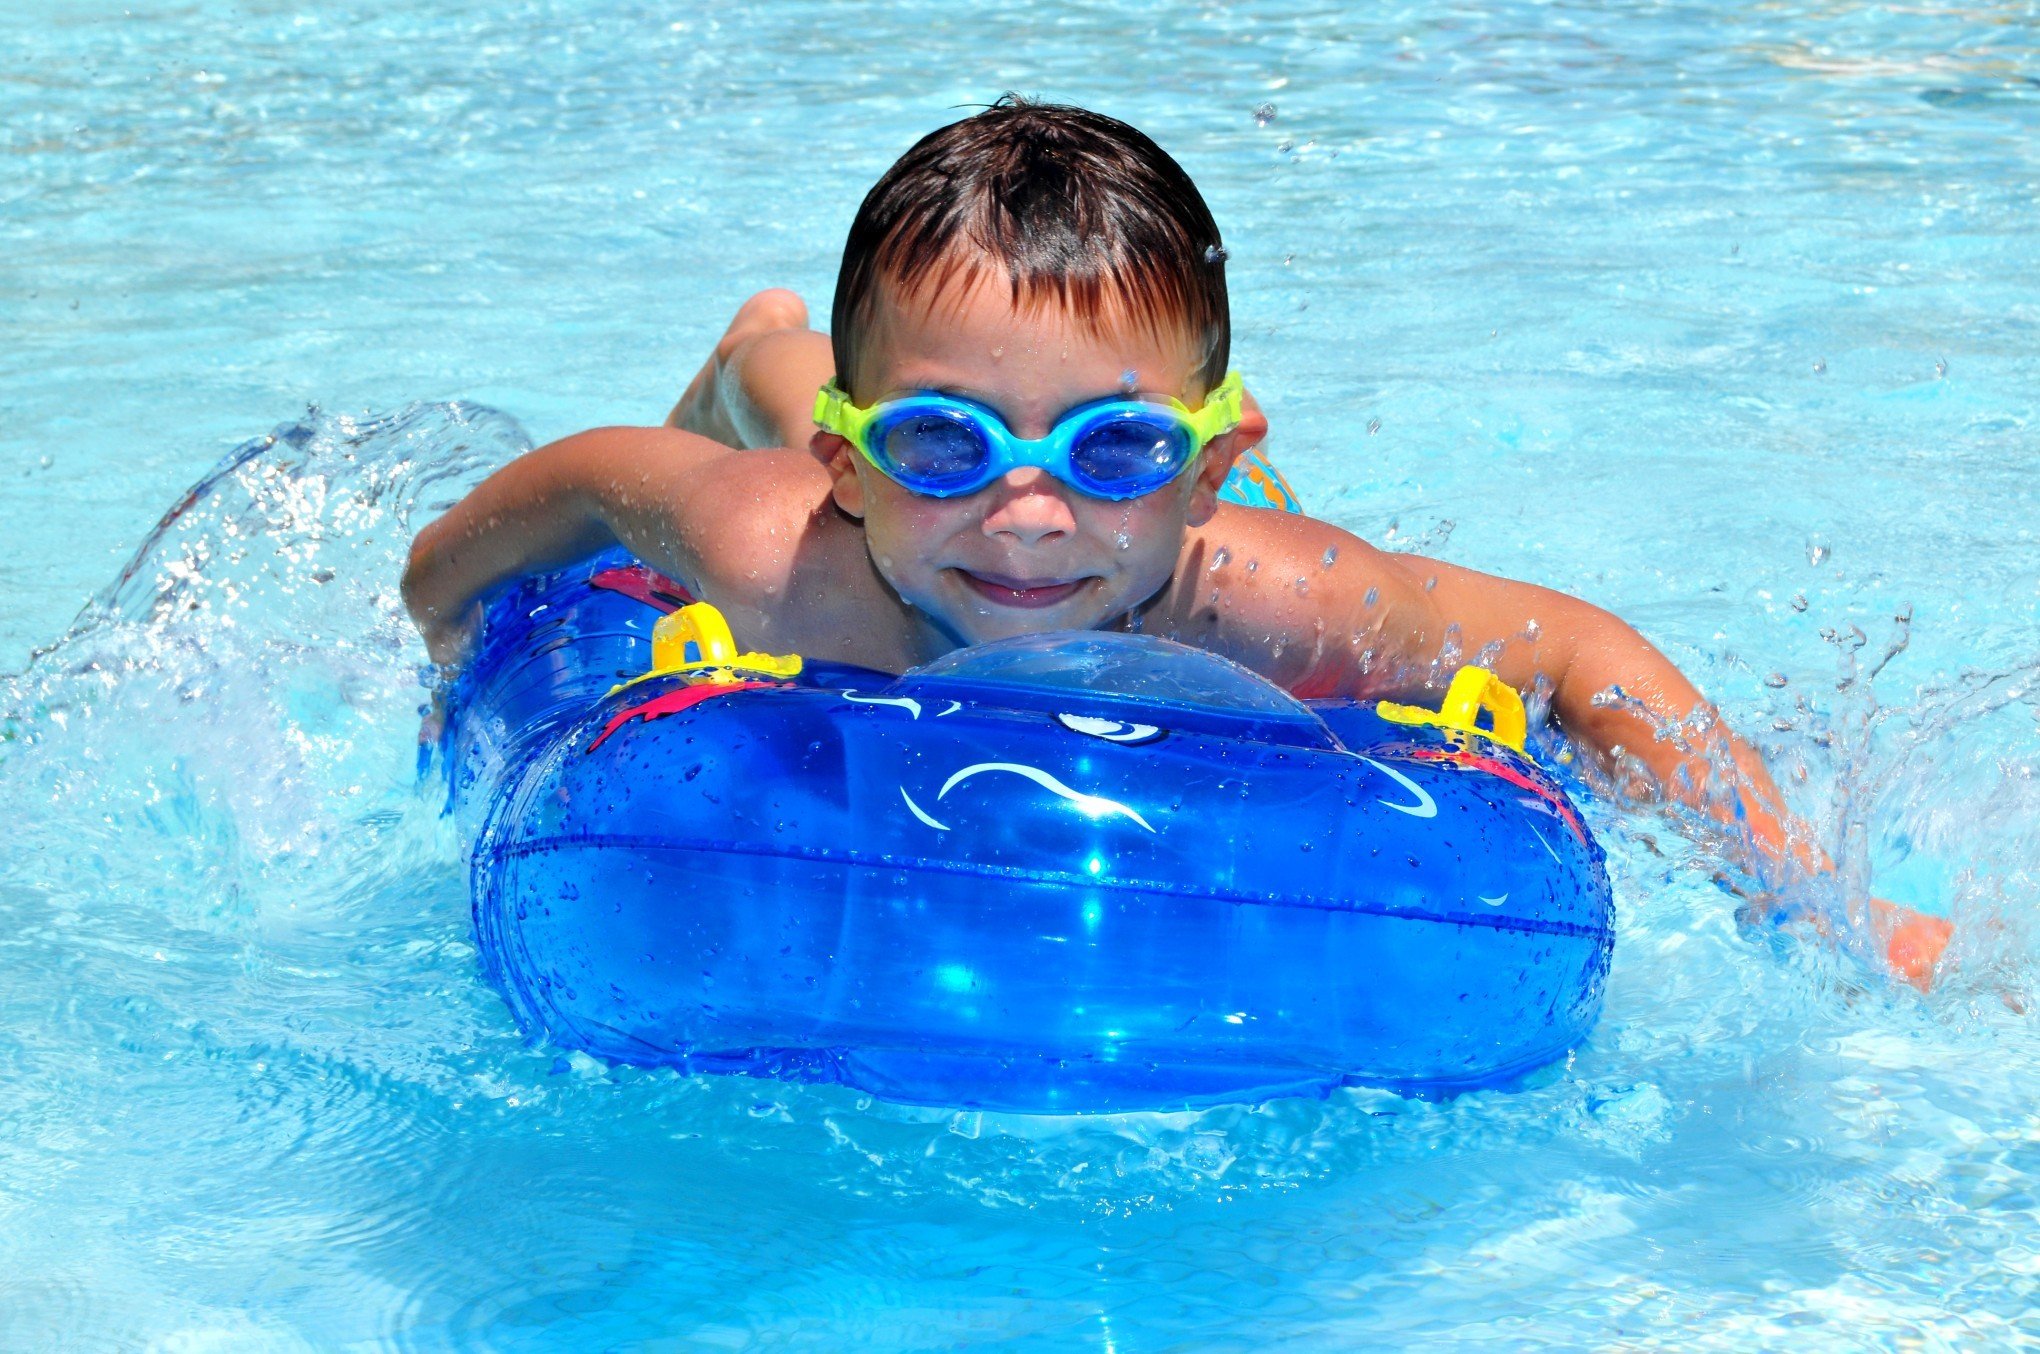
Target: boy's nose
{"x": 1028, "y": 506}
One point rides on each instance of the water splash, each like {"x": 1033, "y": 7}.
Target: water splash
{"x": 1929, "y": 798}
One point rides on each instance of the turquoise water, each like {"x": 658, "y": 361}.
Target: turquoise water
{"x": 1727, "y": 321}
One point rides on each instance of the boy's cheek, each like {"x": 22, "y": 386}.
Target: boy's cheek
{"x": 899, "y": 530}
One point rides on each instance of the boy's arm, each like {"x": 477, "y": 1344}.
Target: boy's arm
{"x": 1615, "y": 693}
{"x": 1382, "y": 626}
{"x": 554, "y": 505}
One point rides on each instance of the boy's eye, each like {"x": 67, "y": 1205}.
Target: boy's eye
{"x": 934, "y": 445}
{"x": 1129, "y": 448}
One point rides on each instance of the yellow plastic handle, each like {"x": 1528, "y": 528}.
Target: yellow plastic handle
{"x": 698, "y": 624}
{"x": 701, "y": 627}
{"x": 1473, "y": 690}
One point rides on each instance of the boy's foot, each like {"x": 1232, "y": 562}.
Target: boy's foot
{"x": 702, "y": 408}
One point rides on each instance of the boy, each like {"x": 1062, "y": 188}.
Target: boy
{"x": 1025, "y": 426}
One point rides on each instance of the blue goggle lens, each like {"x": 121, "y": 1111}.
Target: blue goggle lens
{"x": 935, "y": 448}
{"x": 1130, "y": 452}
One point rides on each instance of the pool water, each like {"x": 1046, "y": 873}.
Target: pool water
{"x": 1729, "y": 321}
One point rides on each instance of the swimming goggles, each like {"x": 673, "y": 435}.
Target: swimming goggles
{"x": 944, "y": 447}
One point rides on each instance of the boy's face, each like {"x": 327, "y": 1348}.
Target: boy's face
{"x": 1027, "y": 553}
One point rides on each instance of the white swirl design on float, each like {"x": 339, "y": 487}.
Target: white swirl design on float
{"x": 1425, "y": 807}
{"x": 907, "y": 703}
{"x": 954, "y": 706}
{"x": 1492, "y": 902}
{"x": 916, "y": 810}
{"x": 1111, "y": 730}
{"x": 1097, "y": 806}
{"x": 1543, "y": 843}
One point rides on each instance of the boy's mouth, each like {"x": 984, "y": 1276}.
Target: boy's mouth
{"x": 1019, "y": 592}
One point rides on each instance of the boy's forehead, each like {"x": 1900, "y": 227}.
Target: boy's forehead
{"x": 969, "y": 322}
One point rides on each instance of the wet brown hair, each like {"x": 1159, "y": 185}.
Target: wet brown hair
{"x": 1080, "y": 210}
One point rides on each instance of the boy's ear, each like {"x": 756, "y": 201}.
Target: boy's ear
{"x": 1219, "y": 455}
{"x": 839, "y": 458}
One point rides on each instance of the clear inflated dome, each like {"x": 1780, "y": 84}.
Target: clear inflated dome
{"x": 1095, "y": 664}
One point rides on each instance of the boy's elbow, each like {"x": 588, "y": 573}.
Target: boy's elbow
{"x": 415, "y": 585}
{"x": 423, "y": 588}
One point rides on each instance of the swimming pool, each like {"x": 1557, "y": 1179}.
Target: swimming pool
{"x": 1727, "y": 322}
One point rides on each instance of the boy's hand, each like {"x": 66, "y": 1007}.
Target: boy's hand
{"x": 1912, "y": 942}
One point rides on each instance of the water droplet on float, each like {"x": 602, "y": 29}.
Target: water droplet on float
{"x": 1331, "y": 557}
{"x": 1799, "y": 601}
{"x": 1775, "y": 680}
{"x": 1264, "y": 114}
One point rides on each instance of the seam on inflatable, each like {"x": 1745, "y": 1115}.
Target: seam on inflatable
{"x": 534, "y": 845}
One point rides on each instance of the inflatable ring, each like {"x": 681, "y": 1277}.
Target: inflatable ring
{"x": 1063, "y": 873}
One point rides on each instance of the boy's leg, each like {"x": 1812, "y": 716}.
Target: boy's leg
{"x": 757, "y": 388}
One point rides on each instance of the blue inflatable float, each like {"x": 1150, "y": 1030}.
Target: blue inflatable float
{"x": 1065, "y": 873}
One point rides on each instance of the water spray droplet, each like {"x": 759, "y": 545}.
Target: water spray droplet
{"x": 1264, "y": 114}
{"x": 1215, "y": 253}
{"x": 1819, "y": 366}
{"x": 1373, "y": 426}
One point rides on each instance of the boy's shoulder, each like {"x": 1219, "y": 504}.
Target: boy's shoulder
{"x": 1291, "y": 552}
{"x": 759, "y": 534}
{"x": 1275, "y": 590}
